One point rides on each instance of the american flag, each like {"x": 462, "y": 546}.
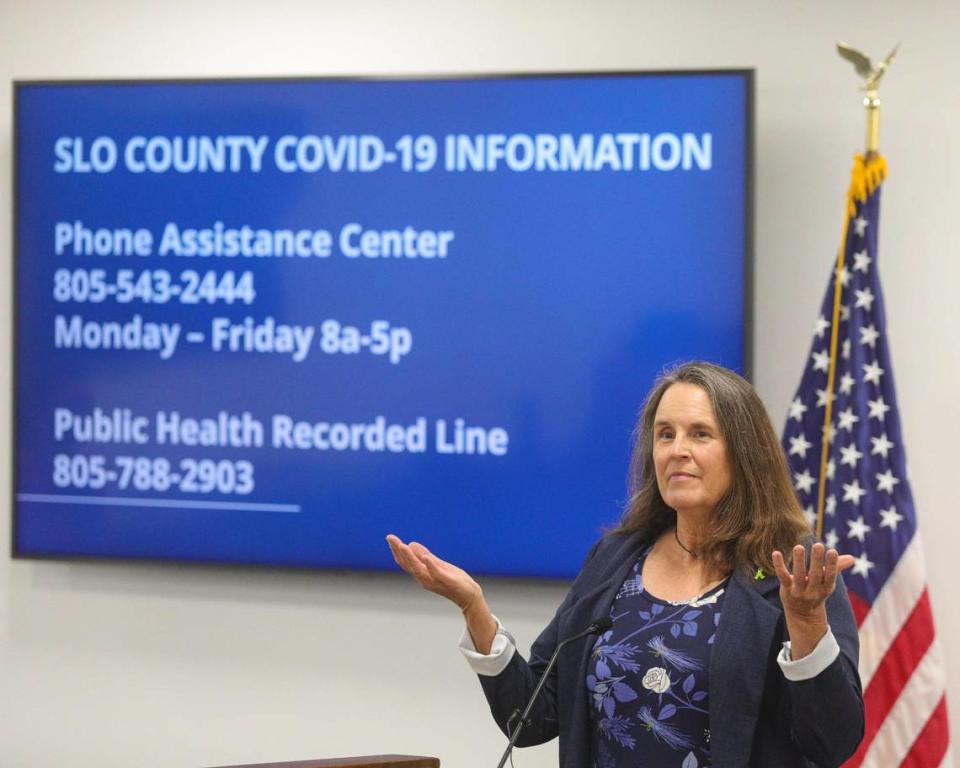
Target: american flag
{"x": 867, "y": 507}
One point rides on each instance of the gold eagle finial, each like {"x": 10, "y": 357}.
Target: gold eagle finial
{"x": 871, "y": 74}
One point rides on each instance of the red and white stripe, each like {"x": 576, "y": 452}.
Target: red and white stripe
{"x": 902, "y": 671}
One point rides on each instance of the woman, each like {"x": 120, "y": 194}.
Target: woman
{"x": 707, "y": 662}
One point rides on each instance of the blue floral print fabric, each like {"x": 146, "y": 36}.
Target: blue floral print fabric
{"x": 647, "y": 679}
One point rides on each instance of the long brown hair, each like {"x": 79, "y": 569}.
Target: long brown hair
{"x": 760, "y": 512}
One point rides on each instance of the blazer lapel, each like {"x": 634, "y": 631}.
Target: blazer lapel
{"x": 590, "y": 604}
{"x": 738, "y": 667}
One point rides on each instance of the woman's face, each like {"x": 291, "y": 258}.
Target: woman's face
{"x": 689, "y": 453}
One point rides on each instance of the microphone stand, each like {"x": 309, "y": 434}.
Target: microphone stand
{"x": 601, "y": 625}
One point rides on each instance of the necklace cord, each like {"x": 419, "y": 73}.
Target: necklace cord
{"x": 694, "y": 555}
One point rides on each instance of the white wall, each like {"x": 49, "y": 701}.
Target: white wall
{"x": 123, "y": 665}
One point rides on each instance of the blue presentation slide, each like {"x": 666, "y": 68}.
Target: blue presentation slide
{"x": 271, "y": 321}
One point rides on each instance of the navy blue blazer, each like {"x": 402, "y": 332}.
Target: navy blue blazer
{"x": 757, "y": 716}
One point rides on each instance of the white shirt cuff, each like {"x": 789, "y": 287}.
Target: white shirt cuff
{"x": 493, "y": 663}
{"x": 813, "y": 663}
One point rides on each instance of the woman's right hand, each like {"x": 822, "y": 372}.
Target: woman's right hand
{"x": 453, "y": 583}
{"x": 436, "y": 575}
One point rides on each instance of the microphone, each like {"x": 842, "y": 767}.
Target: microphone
{"x": 597, "y": 628}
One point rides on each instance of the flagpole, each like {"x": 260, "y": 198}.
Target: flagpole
{"x": 872, "y": 102}
{"x": 831, "y": 372}
{"x": 869, "y": 170}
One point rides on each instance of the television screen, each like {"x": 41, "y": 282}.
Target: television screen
{"x": 271, "y": 321}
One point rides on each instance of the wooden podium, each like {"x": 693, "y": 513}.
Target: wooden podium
{"x": 370, "y": 761}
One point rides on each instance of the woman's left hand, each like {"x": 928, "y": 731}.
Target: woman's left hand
{"x": 804, "y": 592}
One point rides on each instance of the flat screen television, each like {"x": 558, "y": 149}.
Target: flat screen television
{"x": 268, "y": 321}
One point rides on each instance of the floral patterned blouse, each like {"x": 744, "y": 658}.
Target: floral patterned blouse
{"x": 647, "y": 678}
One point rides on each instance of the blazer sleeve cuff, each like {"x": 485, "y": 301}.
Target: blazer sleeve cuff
{"x": 493, "y": 663}
{"x": 812, "y": 664}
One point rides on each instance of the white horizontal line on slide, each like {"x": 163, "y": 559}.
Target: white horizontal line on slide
{"x": 133, "y": 501}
